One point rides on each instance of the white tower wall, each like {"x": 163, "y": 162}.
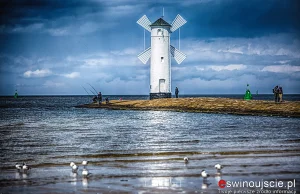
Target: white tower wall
{"x": 160, "y": 65}
{"x": 160, "y": 54}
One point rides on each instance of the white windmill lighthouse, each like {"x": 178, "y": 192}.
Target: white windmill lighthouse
{"x": 160, "y": 53}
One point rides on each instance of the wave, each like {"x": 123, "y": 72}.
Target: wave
{"x": 183, "y": 153}
{"x": 17, "y": 124}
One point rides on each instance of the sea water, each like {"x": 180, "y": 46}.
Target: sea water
{"x": 140, "y": 151}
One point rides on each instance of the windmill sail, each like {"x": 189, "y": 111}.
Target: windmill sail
{"x": 178, "y": 55}
{"x": 144, "y": 22}
{"x": 145, "y": 55}
{"x": 177, "y": 23}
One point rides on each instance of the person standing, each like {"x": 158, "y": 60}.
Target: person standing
{"x": 276, "y": 95}
{"x": 106, "y": 100}
{"x": 16, "y": 94}
{"x": 176, "y": 92}
{"x": 280, "y": 93}
{"x": 99, "y": 98}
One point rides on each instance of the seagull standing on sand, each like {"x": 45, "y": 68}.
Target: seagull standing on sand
{"x": 204, "y": 174}
{"x": 85, "y": 163}
{"x": 74, "y": 167}
{"x": 25, "y": 167}
{"x": 19, "y": 166}
{"x": 219, "y": 168}
{"x": 186, "y": 160}
{"x": 72, "y": 164}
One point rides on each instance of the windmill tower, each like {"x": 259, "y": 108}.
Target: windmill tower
{"x": 160, "y": 53}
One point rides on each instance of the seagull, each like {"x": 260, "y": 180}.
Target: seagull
{"x": 74, "y": 168}
{"x": 85, "y": 163}
{"x": 204, "y": 174}
{"x": 19, "y": 166}
{"x": 186, "y": 160}
{"x": 85, "y": 172}
{"x": 72, "y": 164}
{"x": 218, "y": 167}
{"x": 25, "y": 167}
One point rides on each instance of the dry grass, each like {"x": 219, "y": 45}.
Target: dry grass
{"x": 208, "y": 105}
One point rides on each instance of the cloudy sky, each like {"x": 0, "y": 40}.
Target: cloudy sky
{"x": 57, "y": 47}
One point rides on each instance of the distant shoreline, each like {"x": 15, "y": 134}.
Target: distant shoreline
{"x": 182, "y": 95}
{"x": 206, "y": 105}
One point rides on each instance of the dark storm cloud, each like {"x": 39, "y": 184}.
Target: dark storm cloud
{"x": 244, "y": 18}
{"x": 62, "y": 44}
{"x": 205, "y": 18}
{"x": 32, "y": 11}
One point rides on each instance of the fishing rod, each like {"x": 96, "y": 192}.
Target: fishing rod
{"x": 93, "y": 88}
{"x": 93, "y": 92}
{"x": 86, "y": 91}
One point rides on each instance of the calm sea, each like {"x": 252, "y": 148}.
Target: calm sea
{"x": 140, "y": 151}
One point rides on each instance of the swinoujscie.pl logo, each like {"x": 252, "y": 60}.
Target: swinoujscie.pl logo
{"x": 261, "y": 184}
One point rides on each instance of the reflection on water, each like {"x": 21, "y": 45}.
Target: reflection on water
{"x": 85, "y": 182}
{"x": 218, "y": 177}
{"x": 48, "y": 133}
{"x": 205, "y": 185}
{"x": 18, "y": 175}
{"x": 73, "y": 178}
{"x": 161, "y": 182}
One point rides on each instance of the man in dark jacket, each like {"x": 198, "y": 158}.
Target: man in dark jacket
{"x": 276, "y": 93}
{"x": 176, "y": 92}
{"x": 99, "y": 97}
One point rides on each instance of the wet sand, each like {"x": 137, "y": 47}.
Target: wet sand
{"x": 159, "y": 173}
{"x": 207, "y": 105}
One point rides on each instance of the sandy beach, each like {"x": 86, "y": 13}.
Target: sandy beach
{"x": 207, "y": 105}
{"x": 159, "y": 173}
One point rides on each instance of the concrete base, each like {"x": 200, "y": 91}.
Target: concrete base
{"x": 160, "y": 95}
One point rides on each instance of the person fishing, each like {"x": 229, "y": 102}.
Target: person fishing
{"x": 95, "y": 99}
{"x": 99, "y": 98}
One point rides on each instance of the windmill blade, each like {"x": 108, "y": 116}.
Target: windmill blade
{"x": 145, "y": 55}
{"x": 177, "y": 23}
{"x": 178, "y": 55}
{"x": 144, "y": 22}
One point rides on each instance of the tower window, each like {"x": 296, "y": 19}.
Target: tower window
{"x": 161, "y": 59}
{"x": 159, "y": 32}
